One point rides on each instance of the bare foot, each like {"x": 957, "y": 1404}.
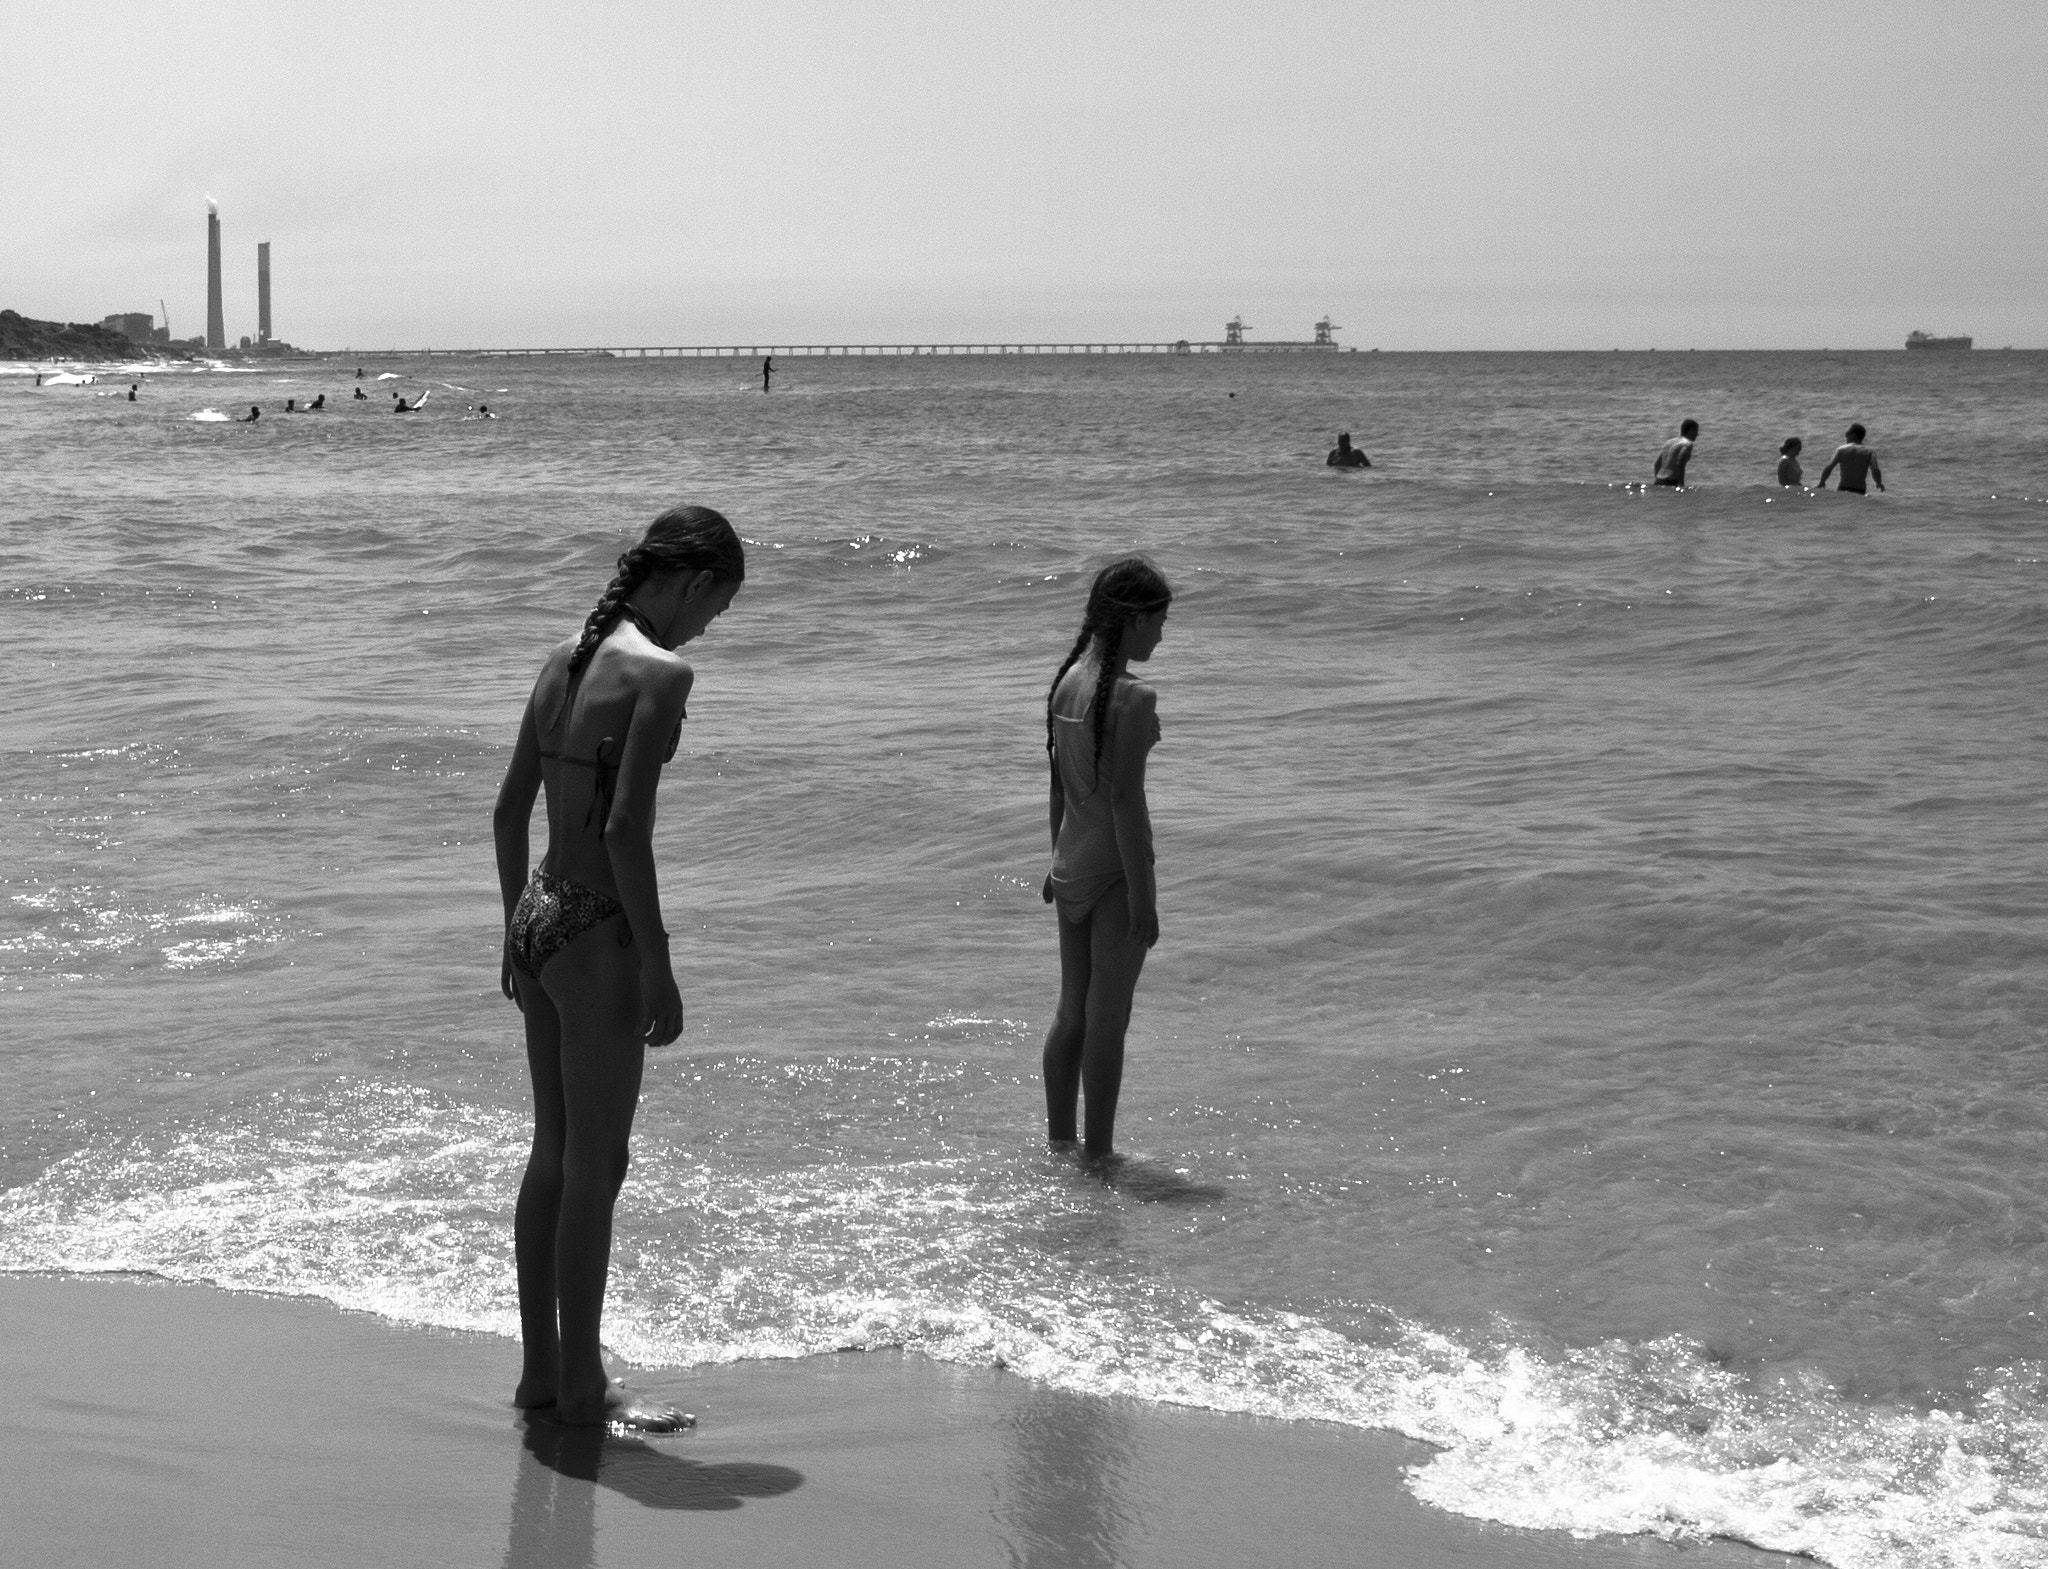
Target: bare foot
{"x": 533, "y": 1394}
{"x": 615, "y": 1410}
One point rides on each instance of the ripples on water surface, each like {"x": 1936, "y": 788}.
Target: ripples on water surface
{"x": 1598, "y": 1022}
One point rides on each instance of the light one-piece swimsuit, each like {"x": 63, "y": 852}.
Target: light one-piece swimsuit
{"x": 1086, "y": 863}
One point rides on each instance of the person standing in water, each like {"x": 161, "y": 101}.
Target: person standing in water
{"x": 1346, "y": 456}
{"x": 1856, "y": 461}
{"x": 586, "y": 949}
{"x": 1673, "y": 456}
{"x": 1789, "y": 472}
{"x": 767, "y": 370}
{"x": 1100, "y": 723}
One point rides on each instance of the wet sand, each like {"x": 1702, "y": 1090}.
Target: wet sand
{"x": 180, "y": 1425}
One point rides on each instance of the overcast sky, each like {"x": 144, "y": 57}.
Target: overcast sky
{"x": 1574, "y": 174}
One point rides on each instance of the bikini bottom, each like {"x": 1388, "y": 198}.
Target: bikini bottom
{"x": 1077, "y": 897}
{"x": 551, "y": 914}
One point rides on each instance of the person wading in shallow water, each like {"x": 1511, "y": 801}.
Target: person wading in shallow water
{"x": 586, "y": 955}
{"x": 1100, "y": 722}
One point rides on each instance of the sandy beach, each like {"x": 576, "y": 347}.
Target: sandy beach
{"x": 181, "y": 1425}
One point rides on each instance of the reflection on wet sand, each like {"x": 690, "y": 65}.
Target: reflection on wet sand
{"x": 554, "y": 1491}
{"x": 1067, "y": 1498}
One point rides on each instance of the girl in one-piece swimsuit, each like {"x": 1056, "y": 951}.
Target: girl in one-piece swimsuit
{"x": 1100, "y": 723}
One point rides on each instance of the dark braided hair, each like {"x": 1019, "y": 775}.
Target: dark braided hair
{"x": 682, "y": 539}
{"x": 1122, "y": 590}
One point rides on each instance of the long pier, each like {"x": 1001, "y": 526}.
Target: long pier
{"x": 845, "y": 350}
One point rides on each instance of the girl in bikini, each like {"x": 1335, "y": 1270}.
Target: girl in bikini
{"x": 1100, "y": 722}
{"x": 586, "y": 957}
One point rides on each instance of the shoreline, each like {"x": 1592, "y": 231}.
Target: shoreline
{"x": 185, "y": 1424}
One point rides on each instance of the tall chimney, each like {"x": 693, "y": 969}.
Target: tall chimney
{"x": 216, "y": 329}
{"x": 263, "y": 292}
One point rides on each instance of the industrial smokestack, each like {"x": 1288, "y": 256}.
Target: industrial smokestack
{"x": 216, "y": 328}
{"x": 263, "y": 292}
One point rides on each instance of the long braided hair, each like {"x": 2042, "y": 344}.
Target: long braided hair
{"x": 682, "y": 539}
{"x": 1122, "y": 590}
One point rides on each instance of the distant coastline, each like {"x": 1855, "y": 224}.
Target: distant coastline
{"x": 24, "y": 338}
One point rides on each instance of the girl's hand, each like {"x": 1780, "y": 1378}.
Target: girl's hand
{"x": 1045, "y": 893}
{"x": 1145, "y": 924}
{"x": 661, "y": 1004}
{"x": 505, "y": 978}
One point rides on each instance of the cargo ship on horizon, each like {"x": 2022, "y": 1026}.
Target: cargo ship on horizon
{"x": 1922, "y": 340}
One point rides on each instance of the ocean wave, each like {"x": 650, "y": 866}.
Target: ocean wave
{"x": 387, "y": 1198}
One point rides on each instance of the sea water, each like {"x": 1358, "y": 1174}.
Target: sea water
{"x": 1597, "y": 1022}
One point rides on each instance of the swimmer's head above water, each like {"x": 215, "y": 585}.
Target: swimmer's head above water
{"x": 1126, "y": 615}
{"x": 690, "y": 560}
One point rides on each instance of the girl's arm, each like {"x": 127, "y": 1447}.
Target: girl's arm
{"x": 1137, "y": 723}
{"x": 1058, "y": 812}
{"x": 509, "y": 822}
{"x": 664, "y": 686}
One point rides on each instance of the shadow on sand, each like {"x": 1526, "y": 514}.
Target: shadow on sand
{"x": 554, "y": 1519}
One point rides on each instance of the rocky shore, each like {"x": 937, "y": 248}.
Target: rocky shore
{"x": 22, "y": 338}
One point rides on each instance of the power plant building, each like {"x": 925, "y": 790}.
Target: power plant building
{"x": 135, "y": 326}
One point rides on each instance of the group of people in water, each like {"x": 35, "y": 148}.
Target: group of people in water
{"x": 400, "y": 404}
{"x": 1857, "y": 462}
{"x": 586, "y": 952}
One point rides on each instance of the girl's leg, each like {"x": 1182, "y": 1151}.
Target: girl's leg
{"x": 1114, "y": 963}
{"x": 540, "y": 1202}
{"x": 595, "y": 987}
{"x": 1061, "y": 1063}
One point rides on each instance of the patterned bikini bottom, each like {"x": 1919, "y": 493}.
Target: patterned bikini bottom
{"x": 551, "y": 914}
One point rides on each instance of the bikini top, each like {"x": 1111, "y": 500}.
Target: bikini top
{"x": 606, "y": 770}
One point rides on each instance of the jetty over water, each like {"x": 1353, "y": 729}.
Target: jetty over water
{"x": 840, "y": 350}
{"x": 1233, "y": 341}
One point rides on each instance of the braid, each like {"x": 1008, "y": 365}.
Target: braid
{"x": 1112, "y": 639}
{"x": 1080, "y": 647}
{"x": 634, "y": 566}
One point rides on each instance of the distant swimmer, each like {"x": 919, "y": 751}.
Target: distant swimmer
{"x": 483, "y": 411}
{"x": 361, "y": 396}
{"x": 767, "y": 370}
{"x": 1346, "y": 456}
{"x": 291, "y": 405}
{"x": 318, "y": 403}
{"x": 1673, "y": 456}
{"x": 133, "y": 388}
{"x": 1789, "y": 472}
{"x": 1855, "y": 461}
{"x": 255, "y": 414}
{"x": 359, "y": 373}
